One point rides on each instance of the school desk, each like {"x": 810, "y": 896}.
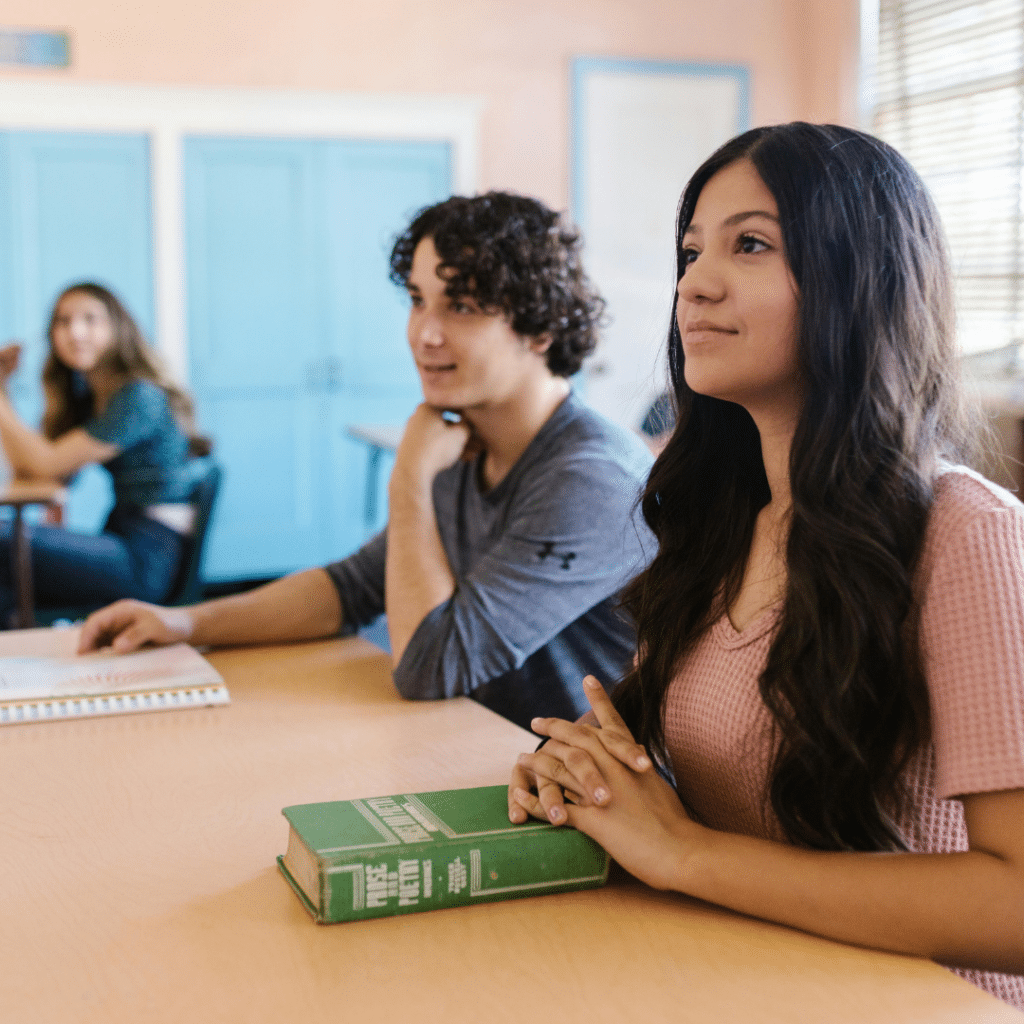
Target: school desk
{"x": 19, "y": 494}
{"x": 138, "y": 883}
{"x": 379, "y": 438}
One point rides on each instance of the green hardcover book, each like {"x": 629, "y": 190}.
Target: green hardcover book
{"x": 354, "y": 859}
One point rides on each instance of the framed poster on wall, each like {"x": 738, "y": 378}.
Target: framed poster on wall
{"x": 639, "y": 130}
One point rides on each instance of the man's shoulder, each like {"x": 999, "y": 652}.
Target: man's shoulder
{"x": 587, "y": 466}
{"x": 583, "y": 438}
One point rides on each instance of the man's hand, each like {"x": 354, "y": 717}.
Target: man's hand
{"x": 128, "y": 625}
{"x": 429, "y": 444}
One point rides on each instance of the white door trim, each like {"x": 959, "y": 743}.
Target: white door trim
{"x": 168, "y": 114}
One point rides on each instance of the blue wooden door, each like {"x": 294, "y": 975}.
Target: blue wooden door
{"x": 255, "y": 335}
{"x": 373, "y": 190}
{"x": 73, "y": 206}
{"x": 295, "y": 331}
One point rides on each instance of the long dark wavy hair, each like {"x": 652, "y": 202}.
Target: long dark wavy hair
{"x": 512, "y": 255}
{"x": 882, "y": 406}
{"x": 69, "y": 404}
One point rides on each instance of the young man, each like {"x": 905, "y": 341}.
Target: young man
{"x": 511, "y": 531}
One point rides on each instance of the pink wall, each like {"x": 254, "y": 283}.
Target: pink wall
{"x": 515, "y": 53}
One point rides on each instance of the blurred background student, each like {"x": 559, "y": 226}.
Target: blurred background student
{"x": 108, "y": 401}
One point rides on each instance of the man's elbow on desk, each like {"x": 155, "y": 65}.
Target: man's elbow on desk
{"x": 428, "y": 675}
{"x": 418, "y": 685}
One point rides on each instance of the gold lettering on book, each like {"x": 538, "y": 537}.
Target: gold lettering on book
{"x": 456, "y": 876}
{"x": 376, "y": 885}
{"x": 407, "y": 828}
{"x": 408, "y": 883}
{"x": 383, "y": 885}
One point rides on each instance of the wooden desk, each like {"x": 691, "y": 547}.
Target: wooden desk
{"x": 137, "y": 882}
{"x": 378, "y": 438}
{"x": 19, "y": 494}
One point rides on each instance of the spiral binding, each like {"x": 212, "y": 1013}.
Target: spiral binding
{"x": 48, "y": 709}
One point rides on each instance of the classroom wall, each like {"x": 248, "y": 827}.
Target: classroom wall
{"x": 802, "y": 55}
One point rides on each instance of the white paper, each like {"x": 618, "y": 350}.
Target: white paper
{"x": 176, "y": 667}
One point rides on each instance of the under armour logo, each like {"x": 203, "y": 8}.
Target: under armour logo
{"x": 548, "y": 548}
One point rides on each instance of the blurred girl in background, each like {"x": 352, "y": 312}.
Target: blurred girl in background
{"x": 107, "y": 402}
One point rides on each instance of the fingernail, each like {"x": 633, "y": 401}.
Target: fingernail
{"x": 521, "y": 794}
{"x": 591, "y": 682}
{"x": 600, "y": 794}
{"x": 534, "y": 722}
{"x": 643, "y": 763}
{"x": 555, "y": 814}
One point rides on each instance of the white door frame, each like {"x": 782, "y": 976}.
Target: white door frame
{"x": 168, "y": 114}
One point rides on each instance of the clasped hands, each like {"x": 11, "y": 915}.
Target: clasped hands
{"x": 598, "y": 779}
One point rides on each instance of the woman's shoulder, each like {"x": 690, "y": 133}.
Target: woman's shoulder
{"x": 973, "y": 523}
{"x": 138, "y": 399}
{"x": 142, "y": 391}
{"x": 962, "y": 495}
{"x": 137, "y": 410}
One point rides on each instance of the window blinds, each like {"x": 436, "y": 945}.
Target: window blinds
{"x": 949, "y": 95}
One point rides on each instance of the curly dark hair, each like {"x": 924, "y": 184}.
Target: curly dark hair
{"x": 511, "y": 255}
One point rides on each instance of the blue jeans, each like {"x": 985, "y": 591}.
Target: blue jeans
{"x": 134, "y": 556}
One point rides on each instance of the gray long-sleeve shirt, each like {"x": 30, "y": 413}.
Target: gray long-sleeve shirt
{"x": 538, "y": 562}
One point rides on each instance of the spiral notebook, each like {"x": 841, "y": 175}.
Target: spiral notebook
{"x": 40, "y": 688}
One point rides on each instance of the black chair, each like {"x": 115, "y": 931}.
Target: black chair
{"x": 188, "y": 584}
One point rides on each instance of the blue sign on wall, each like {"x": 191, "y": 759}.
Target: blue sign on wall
{"x": 37, "y": 49}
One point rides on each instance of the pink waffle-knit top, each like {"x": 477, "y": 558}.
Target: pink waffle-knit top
{"x": 970, "y": 580}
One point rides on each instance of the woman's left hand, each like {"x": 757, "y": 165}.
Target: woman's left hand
{"x": 637, "y": 817}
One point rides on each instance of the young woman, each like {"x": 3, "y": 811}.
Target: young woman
{"x": 831, "y": 637}
{"x": 107, "y": 401}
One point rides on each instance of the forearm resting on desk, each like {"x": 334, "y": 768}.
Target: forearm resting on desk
{"x": 303, "y": 606}
{"x": 964, "y": 909}
{"x": 961, "y": 909}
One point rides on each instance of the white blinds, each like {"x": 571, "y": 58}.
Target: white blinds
{"x": 949, "y": 95}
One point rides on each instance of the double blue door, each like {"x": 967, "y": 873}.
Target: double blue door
{"x": 294, "y": 329}
{"x": 297, "y": 332}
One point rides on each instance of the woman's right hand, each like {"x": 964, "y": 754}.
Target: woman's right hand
{"x": 128, "y": 625}
{"x": 10, "y": 357}
{"x": 564, "y": 768}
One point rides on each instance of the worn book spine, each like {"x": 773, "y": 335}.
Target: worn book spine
{"x": 438, "y": 871}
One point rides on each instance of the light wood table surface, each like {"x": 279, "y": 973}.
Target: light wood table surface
{"x": 138, "y": 883}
